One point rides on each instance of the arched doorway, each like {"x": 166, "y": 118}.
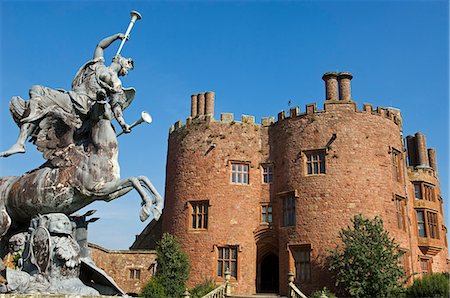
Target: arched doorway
{"x": 268, "y": 270}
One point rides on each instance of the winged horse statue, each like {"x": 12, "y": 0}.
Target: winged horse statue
{"x": 73, "y": 129}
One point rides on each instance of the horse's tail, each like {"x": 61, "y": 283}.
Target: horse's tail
{"x": 5, "y": 187}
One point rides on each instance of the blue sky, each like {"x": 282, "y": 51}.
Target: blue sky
{"x": 255, "y": 55}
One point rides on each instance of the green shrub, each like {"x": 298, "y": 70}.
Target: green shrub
{"x": 153, "y": 289}
{"x": 320, "y": 293}
{"x": 203, "y": 289}
{"x": 172, "y": 271}
{"x": 434, "y": 285}
{"x": 366, "y": 265}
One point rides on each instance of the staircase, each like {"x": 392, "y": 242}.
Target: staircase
{"x": 225, "y": 291}
{"x": 261, "y": 295}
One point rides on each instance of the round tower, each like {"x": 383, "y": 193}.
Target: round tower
{"x": 213, "y": 195}
{"x": 329, "y": 166}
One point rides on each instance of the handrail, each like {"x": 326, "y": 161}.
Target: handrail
{"x": 294, "y": 292}
{"x": 223, "y": 291}
{"x": 219, "y": 292}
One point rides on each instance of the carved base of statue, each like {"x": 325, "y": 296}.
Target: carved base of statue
{"x": 50, "y": 259}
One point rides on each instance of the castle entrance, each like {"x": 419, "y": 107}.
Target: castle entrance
{"x": 268, "y": 274}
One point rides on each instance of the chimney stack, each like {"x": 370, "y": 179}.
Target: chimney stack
{"x": 194, "y": 105}
{"x": 432, "y": 159}
{"x": 209, "y": 103}
{"x": 422, "y": 153}
{"x": 331, "y": 85}
{"x": 412, "y": 150}
{"x": 200, "y": 104}
{"x": 344, "y": 86}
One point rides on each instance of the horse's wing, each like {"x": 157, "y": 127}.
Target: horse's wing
{"x": 53, "y": 137}
{"x": 85, "y": 70}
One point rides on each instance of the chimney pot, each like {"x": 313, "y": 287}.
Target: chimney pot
{"x": 412, "y": 150}
{"x": 344, "y": 85}
{"x": 209, "y": 103}
{"x": 193, "y": 105}
{"x": 422, "y": 153}
{"x": 201, "y": 104}
{"x": 331, "y": 85}
{"x": 432, "y": 159}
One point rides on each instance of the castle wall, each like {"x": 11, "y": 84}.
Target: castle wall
{"x": 365, "y": 171}
{"x": 130, "y": 269}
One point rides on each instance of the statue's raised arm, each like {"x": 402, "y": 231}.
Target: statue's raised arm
{"x": 102, "y": 45}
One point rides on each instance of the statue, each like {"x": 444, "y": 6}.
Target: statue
{"x": 73, "y": 129}
{"x": 94, "y": 81}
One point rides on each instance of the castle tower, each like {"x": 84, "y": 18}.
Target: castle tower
{"x": 265, "y": 199}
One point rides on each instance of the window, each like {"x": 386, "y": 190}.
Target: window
{"x": 428, "y": 192}
{"x": 199, "y": 215}
{"x": 289, "y": 211}
{"x": 266, "y": 213}
{"x": 423, "y": 191}
{"x": 397, "y": 164}
{"x": 427, "y": 224}
{"x": 135, "y": 273}
{"x": 417, "y": 191}
{"x": 302, "y": 263}
{"x": 152, "y": 268}
{"x": 421, "y": 223}
{"x": 315, "y": 162}
{"x": 239, "y": 173}
{"x": 267, "y": 173}
{"x": 425, "y": 265}
{"x": 227, "y": 259}
{"x": 400, "y": 209}
{"x": 403, "y": 262}
{"x": 432, "y": 225}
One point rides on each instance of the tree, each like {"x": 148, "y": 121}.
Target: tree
{"x": 367, "y": 263}
{"x": 172, "y": 271}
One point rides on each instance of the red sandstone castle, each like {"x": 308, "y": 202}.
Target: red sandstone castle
{"x": 265, "y": 199}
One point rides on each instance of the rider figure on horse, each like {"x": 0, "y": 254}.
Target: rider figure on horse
{"x": 94, "y": 81}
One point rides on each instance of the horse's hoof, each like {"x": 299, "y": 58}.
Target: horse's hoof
{"x": 16, "y": 148}
{"x": 144, "y": 214}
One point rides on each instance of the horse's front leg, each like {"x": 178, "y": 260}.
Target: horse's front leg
{"x": 119, "y": 188}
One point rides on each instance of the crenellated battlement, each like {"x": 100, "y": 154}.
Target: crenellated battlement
{"x": 392, "y": 114}
{"x": 225, "y": 118}
{"x": 336, "y": 84}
